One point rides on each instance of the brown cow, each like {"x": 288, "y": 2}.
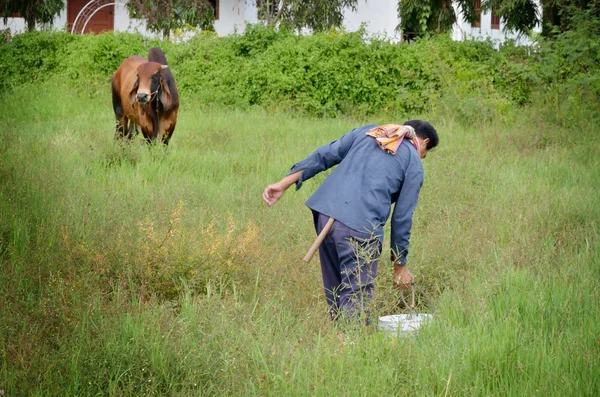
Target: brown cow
{"x": 144, "y": 94}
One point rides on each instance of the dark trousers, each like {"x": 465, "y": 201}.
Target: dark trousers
{"x": 349, "y": 261}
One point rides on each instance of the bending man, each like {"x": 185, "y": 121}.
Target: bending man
{"x": 377, "y": 166}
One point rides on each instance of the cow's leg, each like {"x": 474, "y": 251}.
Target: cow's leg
{"x": 147, "y": 135}
{"x": 119, "y": 113}
{"x": 130, "y": 128}
{"x": 167, "y": 136}
{"x": 168, "y": 126}
{"x": 121, "y": 128}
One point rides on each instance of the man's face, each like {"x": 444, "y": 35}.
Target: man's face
{"x": 423, "y": 151}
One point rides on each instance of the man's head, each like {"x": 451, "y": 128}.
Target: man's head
{"x": 425, "y": 133}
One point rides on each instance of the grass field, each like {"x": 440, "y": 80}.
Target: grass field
{"x": 131, "y": 270}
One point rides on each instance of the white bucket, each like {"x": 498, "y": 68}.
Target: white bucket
{"x": 403, "y": 324}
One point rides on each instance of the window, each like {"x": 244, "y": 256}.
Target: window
{"x": 267, "y": 8}
{"x": 477, "y": 7}
{"x": 215, "y": 6}
{"x": 495, "y": 18}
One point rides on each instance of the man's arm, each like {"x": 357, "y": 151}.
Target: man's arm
{"x": 324, "y": 157}
{"x": 321, "y": 159}
{"x": 273, "y": 192}
{"x": 402, "y": 224}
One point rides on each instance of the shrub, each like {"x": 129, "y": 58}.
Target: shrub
{"x": 332, "y": 73}
{"x": 32, "y": 57}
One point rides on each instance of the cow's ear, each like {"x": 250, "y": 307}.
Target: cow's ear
{"x": 133, "y": 92}
{"x": 165, "y": 94}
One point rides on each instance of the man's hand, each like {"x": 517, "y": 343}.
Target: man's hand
{"x": 403, "y": 278}
{"x": 272, "y": 193}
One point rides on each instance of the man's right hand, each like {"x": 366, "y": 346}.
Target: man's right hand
{"x": 403, "y": 278}
{"x": 272, "y": 193}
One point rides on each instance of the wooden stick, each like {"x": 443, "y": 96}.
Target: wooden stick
{"x": 318, "y": 241}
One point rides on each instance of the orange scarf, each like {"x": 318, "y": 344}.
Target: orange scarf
{"x": 390, "y": 136}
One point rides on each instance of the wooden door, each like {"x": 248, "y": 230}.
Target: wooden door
{"x": 102, "y": 20}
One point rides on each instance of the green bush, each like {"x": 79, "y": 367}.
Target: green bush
{"x": 100, "y": 56}
{"x": 333, "y": 73}
{"x": 32, "y": 57}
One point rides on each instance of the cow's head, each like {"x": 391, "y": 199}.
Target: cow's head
{"x": 151, "y": 83}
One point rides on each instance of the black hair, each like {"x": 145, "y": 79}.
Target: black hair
{"x": 424, "y": 130}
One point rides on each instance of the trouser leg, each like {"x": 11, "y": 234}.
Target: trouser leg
{"x": 349, "y": 260}
{"x": 359, "y": 259}
{"x": 330, "y": 269}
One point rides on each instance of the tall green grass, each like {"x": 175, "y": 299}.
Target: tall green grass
{"x": 135, "y": 270}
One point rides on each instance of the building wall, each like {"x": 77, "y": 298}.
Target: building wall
{"x": 463, "y": 30}
{"x": 379, "y": 16}
{"x": 18, "y": 25}
{"x": 125, "y": 24}
{"x": 233, "y": 15}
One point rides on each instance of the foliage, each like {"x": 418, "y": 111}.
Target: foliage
{"x": 34, "y": 56}
{"x": 334, "y": 73}
{"x": 568, "y": 69}
{"x": 90, "y": 57}
{"x": 316, "y": 15}
{"x": 165, "y": 16}
{"x": 557, "y": 15}
{"x": 519, "y": 16}
{"x": 34, "y": 11}
{"x": 5, "y": 36}
{"x": 420, "y": 18}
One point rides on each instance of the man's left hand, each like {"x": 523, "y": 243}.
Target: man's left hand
{"x": 403, "y": 278}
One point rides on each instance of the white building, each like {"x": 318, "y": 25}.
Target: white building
{"x": 380, "y": 18}
{"x": 101, "y": 15}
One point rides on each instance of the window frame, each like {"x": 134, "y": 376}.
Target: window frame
{"x": 495, "y": 19}
{"x": 216, "y": 7}
{"x": 477, "y": 7}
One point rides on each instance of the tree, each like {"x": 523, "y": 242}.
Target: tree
{"x": 166, "y": 15}
{"x": 418, "y": 18}
{"x": 519, "y": 16}
{"x": 421, "y": 17}
{"x": 34, "y": 11}
{"x": 557, "y": 15}
{"x": 317, "y": 15}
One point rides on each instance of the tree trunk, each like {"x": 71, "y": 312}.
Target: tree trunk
{"x": 30, "y": 22}
{"x": 550, "y": 19}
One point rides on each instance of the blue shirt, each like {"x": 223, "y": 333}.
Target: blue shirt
{"x": 360, "y": 191}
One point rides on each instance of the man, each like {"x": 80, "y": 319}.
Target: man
{"x": 377, "y": 166}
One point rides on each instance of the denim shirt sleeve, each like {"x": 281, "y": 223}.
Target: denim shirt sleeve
{"x": 403, "y": 213}
{"x": 323, "y": 158}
